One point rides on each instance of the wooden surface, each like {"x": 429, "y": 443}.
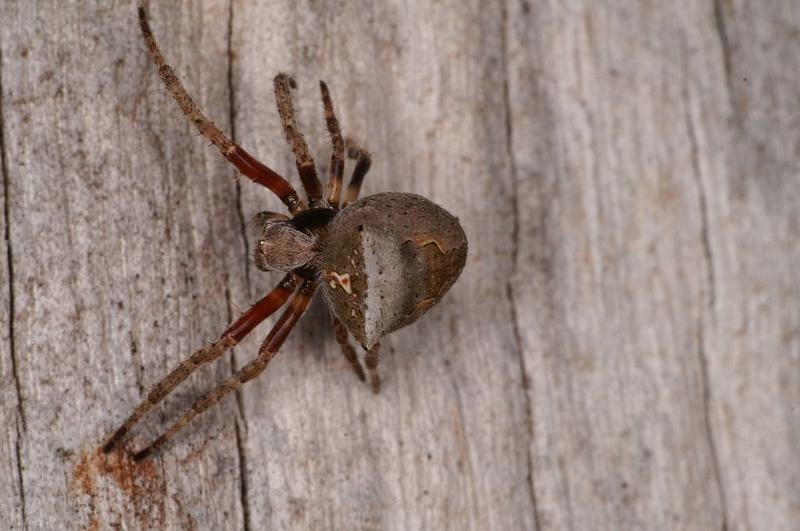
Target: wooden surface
{"x": 621, "y": 352}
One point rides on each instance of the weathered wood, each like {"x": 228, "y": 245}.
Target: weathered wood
{"x": 621, "y": 352}
{"x": 125, "y": 238}
{"x": 649, "y": 238}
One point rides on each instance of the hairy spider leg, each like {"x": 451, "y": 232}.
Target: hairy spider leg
{"x": 232, "y": 335}
{"x": 337, "y": 157}
{"x": 305, "y": 162}
{"x": 347, "y": 349}
{"x": 363, "y": 162}
{"x": 371, "y": 361}
{"x": 297, "y": 307}
{"x": 242, "y": 160}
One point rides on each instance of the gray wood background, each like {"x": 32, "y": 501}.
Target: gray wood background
{"x": 622, "y": 351}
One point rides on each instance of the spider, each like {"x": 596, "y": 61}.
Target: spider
{"x": 380, "y": 261}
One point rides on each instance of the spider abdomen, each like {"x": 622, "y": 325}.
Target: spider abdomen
{"x": 387, "y": 259}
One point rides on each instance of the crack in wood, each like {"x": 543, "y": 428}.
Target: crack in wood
{"x": 710, "y": 293}
{"x": 9, "y": 261}
{"x": 722, "y": 32}
{"x": 515, "y": 231}
{"x": 21, "y": 424}
{"x": 708, "y": 427}
{"x": 232, "y": 125}
{"x": 243, "y": 487}
{"x": 20, "y": 481}
{"x": 240, "y": 449}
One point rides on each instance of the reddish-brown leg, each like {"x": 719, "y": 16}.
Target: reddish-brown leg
{"x": 347, "y": 349}
{"x": 371, "y": 361}
{"x": 244, "y": 162}
{"x": 268, "y": 349}
{"x": 363, "y": 162}
{"x": 234, "y": 333}
{"x": 305, "y": 162}
{"x": 337, "y": 157}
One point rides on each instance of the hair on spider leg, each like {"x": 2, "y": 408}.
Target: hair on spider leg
{"x": 321, "y": 246}
{"x": 355, "y": 149}
{"x": 237, "y": 310}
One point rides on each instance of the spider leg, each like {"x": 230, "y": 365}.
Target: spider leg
{"x": 371, "y": 361}
{"x": 337, "y": 157}
{"x": 269, "y": 348}
{"x": 305, "y": 162}
{"x": 244, "y": 162}
{"x": 234, "y": 333}
{"x": 363, "y": 162}
{"x": 348, "y": 350}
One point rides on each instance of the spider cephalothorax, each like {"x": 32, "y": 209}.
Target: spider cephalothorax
{"x": 381, "y": 261}
{"x": 285, "y": 246}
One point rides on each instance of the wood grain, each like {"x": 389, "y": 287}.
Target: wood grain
{"x": 621, "y": 352}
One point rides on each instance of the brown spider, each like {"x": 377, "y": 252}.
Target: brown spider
{"x": 382, "y": 261}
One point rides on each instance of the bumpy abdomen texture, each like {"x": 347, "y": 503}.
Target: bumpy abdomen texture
{"x": 387, "y": 259}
